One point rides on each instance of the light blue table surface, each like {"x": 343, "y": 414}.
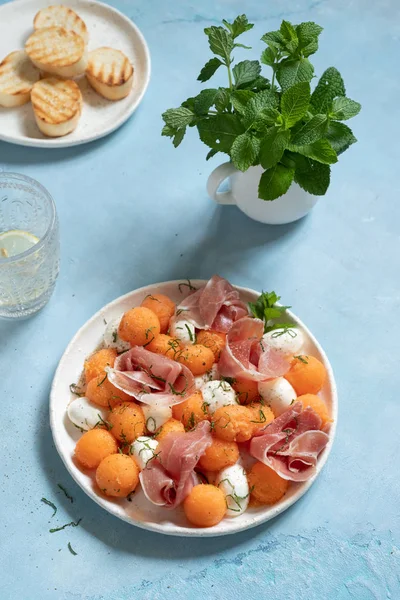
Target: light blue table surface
{"x": 134, "y": 211}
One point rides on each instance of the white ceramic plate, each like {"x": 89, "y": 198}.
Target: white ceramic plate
{"x": 107, "y": 27}
{"x": 140, "y": 511}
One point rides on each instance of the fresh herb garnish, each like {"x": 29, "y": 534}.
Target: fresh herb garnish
{"x": 302, "y": 359}
{"x": 71, "y": 524}
{"x": 266, "y": 309}
{"x": 62, "y": 488}
{"x": 104, "y": 423}
{"x": 75, "y": 390}
{"x": 51, "y": 504}
{"x": 102, "y": 381}
{"x": 293, "y": 133}
{"x": 114, "y": 336}
{"x": 188, "y": 284}
{"x": 192, "y": 336}
{"x": 70, "y": 548}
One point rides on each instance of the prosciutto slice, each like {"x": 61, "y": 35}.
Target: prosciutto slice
{"x": 151, "y": 378}
{"x": 291, "y": 444}
{"x": 245, "y": 356}
{"x": 215, "y": 306}
{"x": 169, "y": 478}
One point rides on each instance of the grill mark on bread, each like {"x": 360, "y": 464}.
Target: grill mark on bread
{"x": 56, "y": 101}
{"x": 55, "y": 46}
{"x": 60, "y": 16}
{"x": 17, "y": 74}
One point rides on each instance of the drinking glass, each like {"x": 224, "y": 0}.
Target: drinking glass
{"x": 28, "y": 271}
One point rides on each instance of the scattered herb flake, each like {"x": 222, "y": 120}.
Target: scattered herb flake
{"x": 71, "y": 524}
{"x": 62, "y": 488}
{"x": 302, "y": 359}
{"x": 53, "y": 506}
{"x": 188, "y": 284}
{"x": 70, "y": 548}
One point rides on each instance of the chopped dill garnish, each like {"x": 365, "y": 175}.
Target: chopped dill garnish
{"x": 114, "y": 336}
{"x": 230, "y": 380}
{"x": 70, "y": 548}
{"x": 71, "y": 524}
{"x": 192, "y": 336}
{"x": 62, "y": 488}
{"x": 188, "y": 284}
{"x": 102, "y": 381}
{"x": 180, "y": 311}
{"x": 75, "y": 390}
{"x": 101, "y": 421}
{"x": 51, "y": 504}
{"x": 104, "y": 321}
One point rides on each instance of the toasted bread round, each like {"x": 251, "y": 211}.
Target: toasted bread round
{"x": 110, "y": 73}
{"x": 17, "y": 76}
{"x": 57, "y": 105}
{"x": 58, "y": 51}
{"x": 61, "y": 16}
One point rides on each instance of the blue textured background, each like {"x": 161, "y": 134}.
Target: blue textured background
{"x": 134, "y": 211}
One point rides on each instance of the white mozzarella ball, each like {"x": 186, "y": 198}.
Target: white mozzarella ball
{"x": 233, "y": 483}
{"x": 155, "y": 416}
{"x": 218, "y": 393}
{"x": 183, "y": 330}
{"x": 111, "y": 338}
{"x": 211, "y": 375}
{"x": 278, "y": 394}
{"x": 143, "y": 449}
{"x": 290, "y": 341}
{"x": 84, "y": 414}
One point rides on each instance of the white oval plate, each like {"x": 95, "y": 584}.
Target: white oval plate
{"x": 107, "y": 27}
{"x": 140, "y": 511}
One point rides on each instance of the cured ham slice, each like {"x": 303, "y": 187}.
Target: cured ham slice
{"x": 245, "y": 356}
{"x": 291, "y": 444}
{"x": 169, "y": 478}
{"x": 151, "y": 378}
{"x": 215, "y": 306}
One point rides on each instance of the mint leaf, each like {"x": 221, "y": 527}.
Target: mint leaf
{"x": 204, "y": 101}
{"x": 258, "y": 85}
{"x": 244, "y": 151}
{"x": 290, "y": 72}
{"x": 220, "y": 42}
{"x": 239, "y": 26}
{"x": 178, "y": 117}
{"x": 294, "y": 102}
{"x": 329, "y": 87}
{"x": 320, "y": 150}
{"x": 311, "y": 175}
{"x": 268, "y": 56}
{"x": 311, "y": 131}
{"x": 219, "y": 131}
{"x": 177, "y": 135}
{"x": 307, "y": 34}
{"x": 240, "y": 98}
{"x": 209, "y": 69}
{"x": 222, "y": 99}
{"x": 340, "y": 136}
{"x": 344, "y": 108}
{"x": 211, "y": 154}
{"x": 275, "y": 182}
{"x": 266, "y": 118}
{"x": 273, "y": 145}
{"x": 265, "y": 99}
{"x": 289, "y": 34}
{"x": 246, "y": 71}
{"x": 274, "y": 39}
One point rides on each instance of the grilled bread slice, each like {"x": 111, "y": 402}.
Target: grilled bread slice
{"x": 17, "y": 76}
{"x": 110, "y": 73}
{"x": 57, "y": 105}
{"x": 57, "y": 51}
{"x": 61, "y": 16}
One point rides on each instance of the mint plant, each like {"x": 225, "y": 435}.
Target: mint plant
{"x": 278, "y": 123}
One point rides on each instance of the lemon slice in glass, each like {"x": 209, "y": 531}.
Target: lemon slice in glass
{"x": 15, "y": 241}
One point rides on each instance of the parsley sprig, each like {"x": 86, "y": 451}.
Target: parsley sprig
{"x": 267, "y": 309}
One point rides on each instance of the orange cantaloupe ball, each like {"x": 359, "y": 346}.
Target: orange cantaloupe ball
{"x": 233, "y": 423}
{"x": 246, "y": 390}
{"x": 102, "y": 392}
{"x": 93, "y": 446}
{"x": 197, "y": 358}
{"x": 191, "y": 411}
{"x": 95, "y": 365}
{"x": 162, "y": 306}
{"x": 205, "y": 506}
{"x": 117, "y": 475}
{"x": 127, "y": 421}
{"x": 170, "y": 426}
{"x": 317, "y": 404}
{"x": 166, "y": 345}
{"x": 307, "y": 375}
{"x": 266, "y": 485}
{"x": 214, "y": 340}
{"x": 139, "y": 326}
{"x": 219, "y": 455}
{"x": 262, "y": 415}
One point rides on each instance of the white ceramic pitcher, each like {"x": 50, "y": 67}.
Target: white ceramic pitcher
{"x": 294, "y": 205}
